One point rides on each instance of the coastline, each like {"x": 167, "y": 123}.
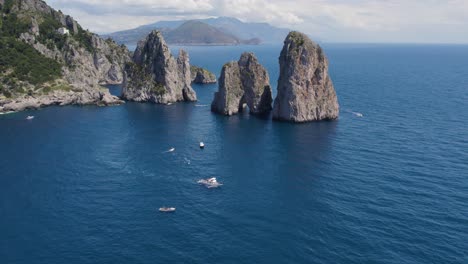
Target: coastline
{"x": 92, "y": 96}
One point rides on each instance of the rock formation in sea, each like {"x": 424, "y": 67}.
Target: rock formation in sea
{"x": 156, "y": 76}
{"x": 201, "y": 75}
{"x": 243, "y": 83}
{"x": 51, "y": 59}
{"x": 305, "y": 90}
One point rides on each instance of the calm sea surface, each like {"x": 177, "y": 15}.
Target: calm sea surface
{"x": 83, "y": 184}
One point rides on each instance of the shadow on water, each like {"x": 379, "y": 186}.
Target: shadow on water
{"x": 302, "y": 151}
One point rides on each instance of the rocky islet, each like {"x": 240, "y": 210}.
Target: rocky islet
{"x": 305, "y": 89}
{"x": 154, "y": 75}
{"x": 243, "y": 83}
{"x": 201, "y": 75}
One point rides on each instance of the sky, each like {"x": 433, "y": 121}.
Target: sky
{"x": 379, "y": 21}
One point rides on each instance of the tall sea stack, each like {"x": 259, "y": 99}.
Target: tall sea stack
{"x": 156, "y": 76}
{"x": 241, "y": 83}
{"x": 305, "y": 90}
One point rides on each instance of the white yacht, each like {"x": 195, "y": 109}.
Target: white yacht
{"x": 210, "y": 182}
{"x": 202, "y": 145}
{"x": 30, "y": 117}
{"x": 167, "y": 209}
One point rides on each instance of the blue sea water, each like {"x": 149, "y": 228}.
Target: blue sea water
{"x": 83, "y": 184}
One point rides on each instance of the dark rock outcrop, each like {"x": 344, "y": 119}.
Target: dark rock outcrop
{"x": 243, "y": 83}
{"x": 305, "y": 90}
{"x": 202, "y": 76}
{"x": 156, "y": 76}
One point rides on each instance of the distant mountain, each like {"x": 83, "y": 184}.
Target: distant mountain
{"x": 246, "y": 33}
{"x": 199, "y": 33}
{"x": 263, "y": 31}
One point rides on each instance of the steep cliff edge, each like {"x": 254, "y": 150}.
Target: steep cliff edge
{"x": 47, "y": 58}
{"x": 156, "y": 76}
{"x": 305, "y": 90}
{"x": 243, "y": 83}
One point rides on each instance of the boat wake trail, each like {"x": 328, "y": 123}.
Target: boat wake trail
{"x": 201, "y": 105}
{"x": 169, "y": 150}
{"x": 357, "y": 114}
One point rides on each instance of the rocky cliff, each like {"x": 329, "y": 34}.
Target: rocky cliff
{"x": 202, "y": 76}
{"x": 243, "y": 83}
{"x": 156, "y": 76}
{"x": 305, "y": 90}
{"x": 65, "y": 64}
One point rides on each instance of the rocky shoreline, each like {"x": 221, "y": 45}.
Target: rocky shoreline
{"x": 43, "y": 39}
{"x": 305, "y": 90}
{"x": 81, "y": 61}
{"x": 100, "y": 97}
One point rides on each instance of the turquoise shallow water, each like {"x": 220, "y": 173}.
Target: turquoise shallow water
{"x": 83, "y": 184}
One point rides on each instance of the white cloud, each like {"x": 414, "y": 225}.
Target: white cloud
{"x": 259, "y": 10}
{"x": 332, "y": 20}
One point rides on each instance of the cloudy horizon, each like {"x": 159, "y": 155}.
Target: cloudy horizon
{"x": 387, "y": 21}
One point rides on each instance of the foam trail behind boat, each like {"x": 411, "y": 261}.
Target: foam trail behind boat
{"x": 357, "y": 114}
{"x": 169, "y": 150}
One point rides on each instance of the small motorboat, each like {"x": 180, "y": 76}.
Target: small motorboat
{"x": 167, "y": 209}
{"x": 210, "y": 182}
{"x": 202, "y": 145}
{"x": 30, "y": 117}
{"x": 171, "y": 150}
{"x": 358, "y": 114}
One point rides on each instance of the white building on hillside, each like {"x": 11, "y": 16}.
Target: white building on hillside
{"x": 64, "y": 31}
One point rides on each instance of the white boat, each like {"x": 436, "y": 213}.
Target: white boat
{"x": 202, "y": 145}
{"x": 30, "y": 117}
{"x": 171, "y": 150}
{"x": 167, "y": 209}
{"x": 210, "y": 183}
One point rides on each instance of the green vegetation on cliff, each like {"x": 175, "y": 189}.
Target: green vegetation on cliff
{"x": 142, "y": 78}
{"x": 85, "y": 39}
{"x": 48, "y": 34}
{"x": 19, "y": 62}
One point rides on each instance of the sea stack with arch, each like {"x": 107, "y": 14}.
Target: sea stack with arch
{"x": 243, "y": 83}
{"x": 305, "y": 90}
